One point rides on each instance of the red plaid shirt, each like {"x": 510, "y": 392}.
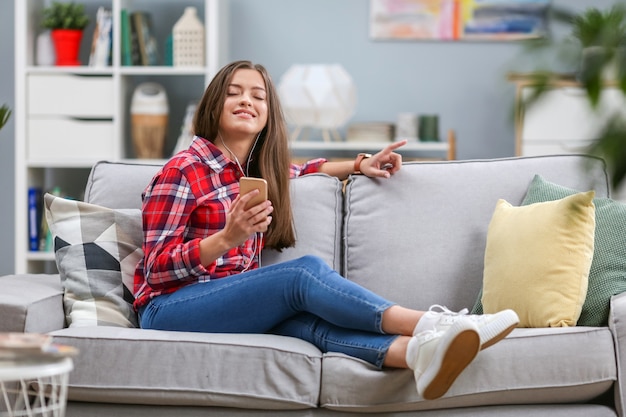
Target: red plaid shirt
{"x": 187, "y": 201}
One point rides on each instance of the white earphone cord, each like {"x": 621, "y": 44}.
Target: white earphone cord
{"x": 247, "y": 171}
{"x": 257, "y": 243}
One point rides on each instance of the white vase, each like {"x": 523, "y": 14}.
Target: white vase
{"x": 188, "y": 40}
{"x": 45, "y": 49}
{"x": 149, "y": 117}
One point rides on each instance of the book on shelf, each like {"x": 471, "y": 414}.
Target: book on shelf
{"x": 39, "y": 235}
{"x": 27, "y": 346}
{"x": 144, "y": 40}
{"x": 34, "y": 217}
{"x": 100, "y": 55}
{"x": 371, "y": 132}
{"x": 168, "y": 60}
{"x": 127, "y": 54}
{"x": 135, "y": 55}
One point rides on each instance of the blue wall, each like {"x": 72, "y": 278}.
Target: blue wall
{"x": 462, "y": 82}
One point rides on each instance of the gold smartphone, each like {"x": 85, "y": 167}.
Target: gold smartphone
{"x": 247, "y": 184}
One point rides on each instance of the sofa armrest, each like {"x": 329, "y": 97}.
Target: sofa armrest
{"x": 617, "y": 324}
{"x": 31, "y": 303}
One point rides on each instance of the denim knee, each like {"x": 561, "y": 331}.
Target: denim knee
{"x": 313, "y": 262}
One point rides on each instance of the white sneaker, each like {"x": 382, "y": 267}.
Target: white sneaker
{"x": 491, "y": 327}
{"x": 438, "y": 357}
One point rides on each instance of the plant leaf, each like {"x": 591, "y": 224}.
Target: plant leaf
{"x": 611, "y": 146}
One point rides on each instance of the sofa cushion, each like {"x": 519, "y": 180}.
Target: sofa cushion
{"x": 537, "y": 260}
{"x": 103, "y": 185}
{"x": 607, "y": 276}
{"x": 96, "y": 250}
{"x": 138, "y": 366}
{"x": 530, "y": 366}
{"x": 420, "y": 244}
{"x": 317, "y": 203}
{"x": 31, "y": 303}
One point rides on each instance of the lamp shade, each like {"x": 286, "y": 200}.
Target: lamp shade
{"x": 317, "y": 95}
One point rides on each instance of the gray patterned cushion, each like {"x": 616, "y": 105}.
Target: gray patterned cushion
{"x": 96, "y": 251}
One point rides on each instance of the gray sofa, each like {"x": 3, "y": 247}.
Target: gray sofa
{"x": 418, "y": 239}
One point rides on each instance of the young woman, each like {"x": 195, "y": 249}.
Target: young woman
{"x": 201, "y": 248}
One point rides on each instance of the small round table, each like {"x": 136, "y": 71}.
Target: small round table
{"x": 36, "y": 387}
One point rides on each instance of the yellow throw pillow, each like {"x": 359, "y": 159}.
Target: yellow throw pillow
{"x": 537, "y": 260}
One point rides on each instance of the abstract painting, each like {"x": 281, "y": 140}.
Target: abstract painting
{"x": 458, "y": 19}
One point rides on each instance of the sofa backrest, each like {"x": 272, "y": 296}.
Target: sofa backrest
{"x": 419, "y": 238}
{"x": 118, "y": 185}
{"x": 317, "y": 203}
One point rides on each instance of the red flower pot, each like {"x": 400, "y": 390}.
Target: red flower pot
{"x": 67, "y": 45}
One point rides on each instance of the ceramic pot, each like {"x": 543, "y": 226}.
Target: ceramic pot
{"x": 45, "y": 49}
{"x": 67, "y": 45}
{"x": 149, "y": 116}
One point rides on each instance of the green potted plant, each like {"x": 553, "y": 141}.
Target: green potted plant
{"x": 602, "y": 39}
{"x": 66, "y": 22}
{"x": 595, "y": 49}
{"x": 5, "y": 113}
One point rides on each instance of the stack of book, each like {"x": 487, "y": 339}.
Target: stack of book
{"x": 371, "y": 132}
{"x": 30, "y": 346}
{"x": 139, "y": 45}
{"x": 100, "y": 55}
{"x": 39, "y": 236}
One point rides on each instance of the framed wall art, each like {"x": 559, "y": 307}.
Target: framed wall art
{"x": 452, "y": 20}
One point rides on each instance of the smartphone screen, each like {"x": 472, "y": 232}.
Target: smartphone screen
{"x": 247, "y": 184}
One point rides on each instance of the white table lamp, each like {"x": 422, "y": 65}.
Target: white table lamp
{"x": 317, "y": 96}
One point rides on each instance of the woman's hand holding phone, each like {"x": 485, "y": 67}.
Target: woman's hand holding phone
{"x": 250, "y": 211}
{"x": 248, "y": 214}
{"x": 247, "y": 184}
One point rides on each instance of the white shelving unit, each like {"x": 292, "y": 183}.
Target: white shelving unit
{"x": 563, "y": 121}
{"x": 68, "y": 118}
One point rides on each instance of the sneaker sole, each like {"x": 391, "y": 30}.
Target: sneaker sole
{"x": 498, "y": 329}
{"x": 451, "y": 358}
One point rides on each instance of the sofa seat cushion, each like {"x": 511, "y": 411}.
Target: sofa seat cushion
{"x": 31, "y": 303}
{"x": 136, "y": 366}
{"x": 530, "y": 366}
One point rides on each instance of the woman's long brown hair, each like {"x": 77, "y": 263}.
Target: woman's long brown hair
{"x": 270, "y": 157}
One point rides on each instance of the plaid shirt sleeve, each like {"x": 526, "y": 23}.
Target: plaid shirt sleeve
{"x": 309, "y": 167}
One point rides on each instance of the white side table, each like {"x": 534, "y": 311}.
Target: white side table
{"x": 35, "y": 387}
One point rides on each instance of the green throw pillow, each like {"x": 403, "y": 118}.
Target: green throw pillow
{"x": 607, "y": 276}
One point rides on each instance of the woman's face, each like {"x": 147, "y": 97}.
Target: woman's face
{"x": 245, "y": 107}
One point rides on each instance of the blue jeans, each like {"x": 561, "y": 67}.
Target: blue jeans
{"x": 302, "y": 298}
